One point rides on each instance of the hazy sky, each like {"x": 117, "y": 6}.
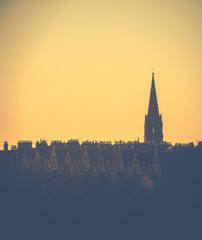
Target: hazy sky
{"x": 82, "y": 68}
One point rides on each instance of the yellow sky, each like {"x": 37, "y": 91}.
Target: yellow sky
{"x": 82, "y": 68}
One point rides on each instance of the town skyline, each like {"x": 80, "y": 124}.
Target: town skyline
{"x": 153, "y": 131}
{"x": 157, "y": 129}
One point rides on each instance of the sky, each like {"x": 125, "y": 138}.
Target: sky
{"x": 82, "y": 69}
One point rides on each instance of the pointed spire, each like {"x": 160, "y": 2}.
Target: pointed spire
{"x": 24, "y": 162}
{"x": 85, "y": 161}
{"x": 153, "y": 104}
{"x": 156, "y": 162}
{"x": 119, "y": 160}
{"x": 153, "y": 121}
{"x": 100, "y": 163}
{"x": 53, "y": 161}
{"x": 135, "y": 165}
{"x": 37, "y": 160}
{"x": 68, "y": 162}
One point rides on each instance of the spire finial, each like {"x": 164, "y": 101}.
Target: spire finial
{"x": 153, "y": 73}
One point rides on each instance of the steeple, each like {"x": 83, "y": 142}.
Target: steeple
{"x": 153, "y": 104}
{"x": 153, "y": 121}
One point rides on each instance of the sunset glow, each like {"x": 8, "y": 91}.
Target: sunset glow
{"x": 83, "y": 69}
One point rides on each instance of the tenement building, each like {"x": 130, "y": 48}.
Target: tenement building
{"x": 153, "y": 121}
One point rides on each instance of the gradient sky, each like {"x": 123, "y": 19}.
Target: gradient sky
{"x": 83, "y": 68}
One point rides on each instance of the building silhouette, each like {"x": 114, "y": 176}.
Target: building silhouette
{"x": 153, "y": 121}
{"x": 104, "y": 160}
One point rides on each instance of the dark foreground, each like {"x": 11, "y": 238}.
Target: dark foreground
{"x": 168, "y": 210}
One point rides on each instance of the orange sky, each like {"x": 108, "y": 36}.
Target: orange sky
{"x": 82, "y": 68}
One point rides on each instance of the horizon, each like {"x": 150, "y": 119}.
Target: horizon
{"x": 115, "y": 142}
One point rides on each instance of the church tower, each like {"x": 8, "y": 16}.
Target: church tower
{"x": 153, "y": 121}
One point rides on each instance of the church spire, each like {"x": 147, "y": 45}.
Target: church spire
{"x": 153, "y": 104}
{"x": 153, "y": 121}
